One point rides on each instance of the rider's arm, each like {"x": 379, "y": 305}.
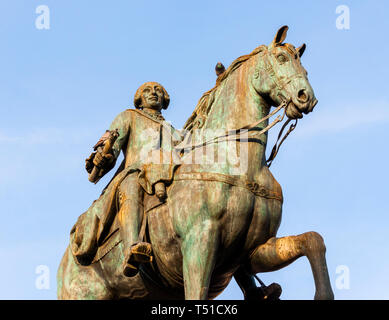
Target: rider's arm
{"x": 122, "y": 124}
{"x": 106, "y": 163}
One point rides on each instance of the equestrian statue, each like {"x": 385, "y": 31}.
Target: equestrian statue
{"x": 188, "y": 210}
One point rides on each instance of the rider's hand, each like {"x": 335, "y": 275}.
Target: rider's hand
{"x": 101, "y": 160}
{"x": 89, "y": 163}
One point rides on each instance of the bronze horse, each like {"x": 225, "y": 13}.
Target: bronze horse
{"x": 218, "y": 217}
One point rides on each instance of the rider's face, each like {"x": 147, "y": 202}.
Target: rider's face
{"x": 152, "y": 97}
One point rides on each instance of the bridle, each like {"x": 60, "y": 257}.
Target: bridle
{"x": 280, "y": 84}
{"x": 243, "y": 133}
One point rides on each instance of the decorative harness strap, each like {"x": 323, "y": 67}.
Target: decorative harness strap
{"x": 238, "y": 181}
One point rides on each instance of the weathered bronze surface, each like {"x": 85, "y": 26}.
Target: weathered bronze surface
{"x": 206, "y": 220}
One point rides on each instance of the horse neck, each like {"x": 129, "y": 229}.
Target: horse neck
{"x": 237, "y": 104}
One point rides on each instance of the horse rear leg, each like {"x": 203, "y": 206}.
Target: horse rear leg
{"x": 199, "y": 254}
{"x": 277, "y": 253}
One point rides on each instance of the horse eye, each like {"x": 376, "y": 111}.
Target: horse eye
{"x": 282, "y": 58}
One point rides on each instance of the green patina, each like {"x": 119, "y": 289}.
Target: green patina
{"x": 210, "y": 229}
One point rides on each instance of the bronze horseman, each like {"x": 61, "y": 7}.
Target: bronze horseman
{"x": 141, "y": 131}
{"x": 169, "y": 227}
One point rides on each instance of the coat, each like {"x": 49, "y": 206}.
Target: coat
{"x": 148, "y": 146}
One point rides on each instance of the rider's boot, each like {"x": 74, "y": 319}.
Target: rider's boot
{"x": 136, "y": 254}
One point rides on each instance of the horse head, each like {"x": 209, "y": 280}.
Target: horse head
{"x": 280, "y": 77}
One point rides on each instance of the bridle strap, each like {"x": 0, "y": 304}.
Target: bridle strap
{"x": 279, "y": 83}
{"x": 277, "y": 146}
{"x": 238, "y": 132}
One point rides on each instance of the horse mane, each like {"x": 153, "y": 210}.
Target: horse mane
{"x": 204, "y": 105}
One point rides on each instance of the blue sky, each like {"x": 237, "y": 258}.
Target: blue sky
{"x": 61, "y": 88}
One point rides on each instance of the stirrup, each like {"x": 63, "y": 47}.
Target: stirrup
{"x": 130, "y": 270}
{"x": 84, "y": 259}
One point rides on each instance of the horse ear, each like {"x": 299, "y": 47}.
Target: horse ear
{"x": 281, "y": 35}
{"x": 301, "y": 49}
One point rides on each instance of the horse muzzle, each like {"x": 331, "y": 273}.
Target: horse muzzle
{"x": 302, "y": 104}
{"x": 292, "y": 111}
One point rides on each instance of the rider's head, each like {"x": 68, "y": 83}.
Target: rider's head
{"x": 151, "y": 95}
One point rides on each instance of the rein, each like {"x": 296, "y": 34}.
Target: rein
{"x": 277, "y": 146}
{"x": 244, "y": 129}
{"x": 234, "y": 135}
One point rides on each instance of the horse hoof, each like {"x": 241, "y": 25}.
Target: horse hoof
{"x": 254, "y": 294}
{"x": 271, "y": 292}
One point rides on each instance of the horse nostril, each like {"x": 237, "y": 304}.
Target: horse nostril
{"x": 302, "y": 96}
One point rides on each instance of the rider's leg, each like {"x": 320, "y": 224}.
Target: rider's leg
{"x": 130, "y": 217}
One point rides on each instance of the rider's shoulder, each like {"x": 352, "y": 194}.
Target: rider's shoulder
{"x": 136, "y": 113}
{"x": 126, "y": 113}
{"x": 123, "y": 118}
{"x": 131, "y": 112}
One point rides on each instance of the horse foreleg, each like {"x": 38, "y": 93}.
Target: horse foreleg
{"x": 277, "y": 253}
{"x": 199, "y": 254}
